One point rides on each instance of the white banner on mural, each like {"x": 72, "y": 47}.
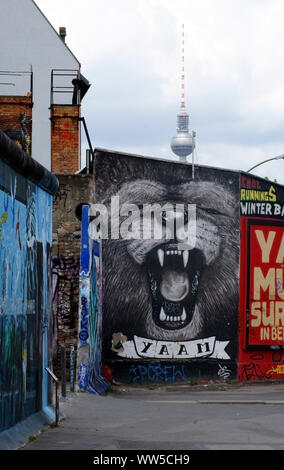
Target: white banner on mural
{"x": 155, "y": 349}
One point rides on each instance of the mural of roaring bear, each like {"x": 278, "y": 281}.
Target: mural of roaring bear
{"x": 153, "y": 288}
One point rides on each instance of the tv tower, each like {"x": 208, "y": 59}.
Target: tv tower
{"x": 182, "y": 144}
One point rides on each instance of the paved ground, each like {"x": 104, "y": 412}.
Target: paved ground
{"x": 235, "y": 417}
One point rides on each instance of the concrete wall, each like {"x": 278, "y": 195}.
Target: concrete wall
{"x": 31, "y": 41}
{"x": 26, "y": 323}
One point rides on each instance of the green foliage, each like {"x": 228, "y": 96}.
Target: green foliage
{"x": 193, "y": 382}
{"x": 111, "y": 390}
{"x": 153, "y": 387}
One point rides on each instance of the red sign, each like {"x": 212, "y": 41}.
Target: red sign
{"x": 266, "y": 292}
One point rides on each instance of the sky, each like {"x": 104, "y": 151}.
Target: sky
{"x": 130, "y": 51}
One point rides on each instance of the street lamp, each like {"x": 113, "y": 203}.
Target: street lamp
{"x": 280, "y": 157}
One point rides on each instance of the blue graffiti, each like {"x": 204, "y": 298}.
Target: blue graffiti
{"x": 85, "y": 253}
{"x": 84, "y": 332}
{"x": 6, "y": 201}
{"x": 158, "y": 373}
{"x": 83, "y": 376}
{"x": 13, "y": 275}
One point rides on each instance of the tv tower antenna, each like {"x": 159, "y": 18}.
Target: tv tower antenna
{"x": 183, "y": 143}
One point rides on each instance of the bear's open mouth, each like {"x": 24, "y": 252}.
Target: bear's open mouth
{"x": 174, "y": 277}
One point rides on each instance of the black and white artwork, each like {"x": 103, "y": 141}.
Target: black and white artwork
{"x": 173, "y": 297}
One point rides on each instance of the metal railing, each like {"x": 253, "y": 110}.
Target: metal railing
{"x": 10, "y": 75}
{"x": 68, "y": 76}
{"x": 55, "y": 379}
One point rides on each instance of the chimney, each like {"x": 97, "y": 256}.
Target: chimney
{"x": 65, "y": 139}
{"x": 62, "y": 33}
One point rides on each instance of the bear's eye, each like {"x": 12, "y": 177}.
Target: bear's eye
{"x": 211, "y": 211}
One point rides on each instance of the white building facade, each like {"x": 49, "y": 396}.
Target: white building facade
{"x": 34, "y": 47}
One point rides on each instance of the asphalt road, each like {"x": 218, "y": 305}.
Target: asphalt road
{"x": 226, "y": 417}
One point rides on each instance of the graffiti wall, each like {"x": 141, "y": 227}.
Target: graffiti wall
{"x": 66, "y": 218}
{"x": 25, "y": 301}
{"x": 170, "y": 265}
{"x": 261, "y": 286}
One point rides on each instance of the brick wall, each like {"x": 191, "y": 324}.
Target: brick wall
{"x": 16, "y": 120}
{"x": 73, "y": 191}
{"x": 65, "y": 139}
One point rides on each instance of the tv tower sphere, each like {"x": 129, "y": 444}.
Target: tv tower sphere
{"x": 182, "y": 143}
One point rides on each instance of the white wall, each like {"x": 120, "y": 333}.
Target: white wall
{"x": 28, "y": 40}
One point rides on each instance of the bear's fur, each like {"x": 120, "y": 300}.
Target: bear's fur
{"x": 128, "y": 298}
